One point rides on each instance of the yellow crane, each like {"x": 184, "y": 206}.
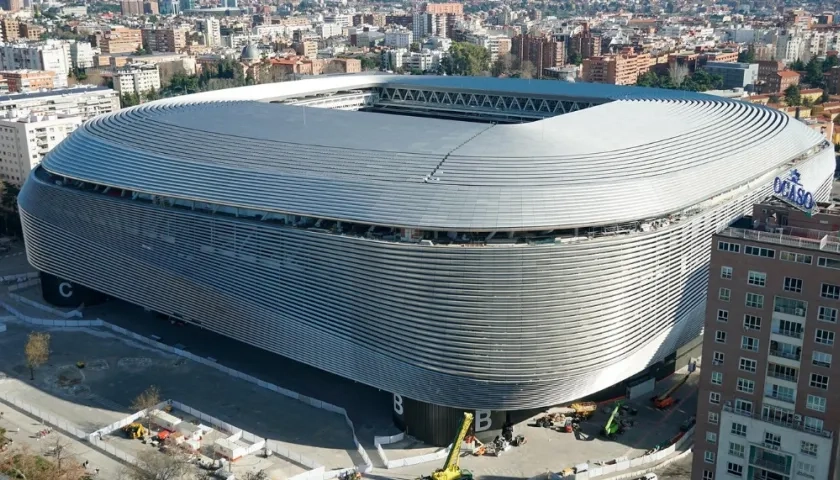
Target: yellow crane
{"x": 451, "y": 469}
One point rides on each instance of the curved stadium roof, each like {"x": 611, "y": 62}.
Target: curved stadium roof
{"x": 655, "y": 151}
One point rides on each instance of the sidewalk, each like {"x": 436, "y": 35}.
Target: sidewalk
{"x": 81, "y": 451}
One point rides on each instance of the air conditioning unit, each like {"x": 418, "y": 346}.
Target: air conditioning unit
{"x": 800, "y": 312}
{"x": 717, "y": 362}
{"x": 797, "y": 418}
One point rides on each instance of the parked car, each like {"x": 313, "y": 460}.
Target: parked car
{"x": 686, "y": 425}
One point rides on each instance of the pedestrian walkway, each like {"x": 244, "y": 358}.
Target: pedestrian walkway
{"x": 12, "y": 420}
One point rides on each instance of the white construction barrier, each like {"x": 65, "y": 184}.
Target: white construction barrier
{"x": 365, "y": 467}
{"x": 125, "y": 421}
{"x": 45, "y": 416}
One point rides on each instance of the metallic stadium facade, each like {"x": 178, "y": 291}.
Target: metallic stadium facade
{"x": 556, "y": 249}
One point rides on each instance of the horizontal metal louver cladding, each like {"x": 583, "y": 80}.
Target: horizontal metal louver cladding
{"x": 505, "y": 327}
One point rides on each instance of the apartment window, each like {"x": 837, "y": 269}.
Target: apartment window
{"x": 755, "y": 300}
{"x": 789, "y": 328}
{"x": 717, "y": 378}
{"x": 752, "y": 322}
{"x": 808, "y": 448}
{"x": 734, "y": 469}
{"x": 790, "y": 306}
{"x": 782, "y": 372}
{"x": 821, "y": 359}
{"x": 717, "y": 358}
{"x": 824, "y": 337}
{"x": 747, "y": 365}
{"x": 709, "y": 456}
{"x": 760, "y": 251}
{"x": 785, "y": 394}
{"x": 830, "y": 291}
{"x": 724, "y": 294}
{"x": 828, "y": 263}
{"x": 793, "y": 285}
{"x": 711, "y": 437}
{"x": 714, "y": 418}
{"x": 749, "y": 343}
{"x": 806, "y": 470}
{"x": 726, "y": 273}
{"x": 826, "y": 314}
{"x": 720, "y": 336}
{"x": 714, "y": 397}
{"x": 723, "y": 316}
{"x": 729, "y": 247}
{"x": 736, "y": 449}
{"x": 814, "y": 425}
{"x": 708, "y": 475}
{"x": 819, "y": 381}
{"x": 759, "y": 279}
{"x": 746, "y": 386}
{"x": 743, "y": 406}
{"x": 771, "y": 440}
{"x": 815, "y": 403}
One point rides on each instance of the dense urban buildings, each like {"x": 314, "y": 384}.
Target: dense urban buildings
{"x": 190, "y": 232}
{"x": 768, "y": 401}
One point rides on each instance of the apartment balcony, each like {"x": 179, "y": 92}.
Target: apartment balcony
{"x": 784, "y": 354}
{"x": 790, "y": 421}
{"x": 787, "y": 332}
{"x": 782, "y": 376}
{"x": 793, "y": 237}
{"x": 782, "y": 398}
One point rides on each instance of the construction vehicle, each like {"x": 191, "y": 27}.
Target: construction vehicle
{"x": 613, "y": 425}
{"x": 584, "y": 409}
{"x": 134, "y": 430}
{"x": 451, "y": 468}
{"x": 666, "y": 399}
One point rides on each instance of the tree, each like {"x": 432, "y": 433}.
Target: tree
{"x": 747, "y": 56}
{"x": 576, "y": 58}
{"x": 414, "y": 47}
{"x": 259, "y": 475}
{"x": 527, "y": 70}
{"x": 503, "y": 65}
{"x": 154, "y": 465}
{"x": 678, "y": 73}
{"x": 814, "y": 73}
{"x": 152, "y": 95}
{"x": 467, "y": 59}
{"x": 774, "y": 99}
{"x": 64, "y": 460}
{"x": 146, "y": 401}
{"x": 793, "y": 96}
{"x": 37, "y": 351}
{"x": 798, "y": 65}
{"x": 129, "y": 100}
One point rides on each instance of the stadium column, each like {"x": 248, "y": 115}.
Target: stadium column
{"x": 436, "y": 425}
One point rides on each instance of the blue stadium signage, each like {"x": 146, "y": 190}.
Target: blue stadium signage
{"x": 791, "y": 190}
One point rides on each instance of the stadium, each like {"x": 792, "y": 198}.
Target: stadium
{"x": 463, "y": 243}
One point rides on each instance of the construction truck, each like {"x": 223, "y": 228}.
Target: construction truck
{"x": 134, "y": 430}
{"x": 666, "y": 399}
{"x": 613, "y": 425}
{"x": 584, "y": 409}
{"x": 451, "y": 468}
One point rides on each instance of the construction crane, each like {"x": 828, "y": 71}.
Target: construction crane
{"x": 666, "y": 399}
{"x": 613, "y": 427}
{"x": 451, "y": 469}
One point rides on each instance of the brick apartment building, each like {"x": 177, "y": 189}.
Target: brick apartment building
{"x": 619, "y": 69}
{"x": 121, "y": 40}
{"x": 542, "y": 51}
{"x": 769, "y": 402}
{"x": 164, "y": 39}
{"x": 23, "y": 81}
{"x": 586, "y": 44}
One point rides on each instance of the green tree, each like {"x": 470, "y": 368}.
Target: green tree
{"x": 414, "y": 47}
{"x": 746, "y": 56}
{"x": 814, "y": 72}
{"x": 467, "y": 59}
{"x": 798, "y": 65}
{"x": 575, "y": 58}
{"x": 151, "y": 95}
{"x": 793, "y": 95}
{"x": 129, "y": 100}
{"x": 829, "y": 63}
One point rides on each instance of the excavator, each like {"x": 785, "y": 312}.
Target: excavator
{"x": 666, "y": 399}
{"x": 451, "y": 469}
{"x": 613, "y": 426}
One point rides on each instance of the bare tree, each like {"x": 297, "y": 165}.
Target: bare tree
{"x": 147, "y": 401}
{"x": 153, "y": 465}
{"x": 334, "y": 67}
{"x": 503, "y": 65}
{"x": 259, "y": 475}
{"x": 24, "y": 464}
{"x": 678, "y": 73}
{"x": 62, "y": 457}
{"x": 37, "y": 351}
{"x": 527, "y": 70}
